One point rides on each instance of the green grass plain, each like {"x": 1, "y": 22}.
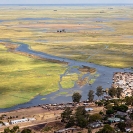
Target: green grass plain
{"x": 68, "y": 81}
{"x": 23, "y": 78}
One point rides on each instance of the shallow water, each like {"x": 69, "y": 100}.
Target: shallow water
{"x": 32, "y": 19}
{"x": 104, "y": 80}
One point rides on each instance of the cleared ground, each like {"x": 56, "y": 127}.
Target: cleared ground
{"x": 41, "y": 115}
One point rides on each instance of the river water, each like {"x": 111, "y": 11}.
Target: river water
{"x": 104, "y": 80}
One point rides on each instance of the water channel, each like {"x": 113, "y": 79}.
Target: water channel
{"x": 104, "y": 79}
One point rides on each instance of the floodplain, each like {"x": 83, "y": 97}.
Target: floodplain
{"x": 101, "y": 35}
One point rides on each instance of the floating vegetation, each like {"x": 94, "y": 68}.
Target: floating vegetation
{"x": 43, "y": 99}
{"x": 62, "y": 93}
{"x": 87, "y": 69}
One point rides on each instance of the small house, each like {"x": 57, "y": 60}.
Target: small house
{"x": 67, "y": 130}
{"x": 6, "y": 123}
{"x": 89, "y": 109}
{"x": 96, "y": 124}
{"x": 122, "y": 114}
{"x": 31, "y": 119}
{"x": 85, "y": 104}
{"x": 114, "y": 119}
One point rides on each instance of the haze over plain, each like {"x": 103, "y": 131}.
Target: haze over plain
{"x": 65, "y": 1}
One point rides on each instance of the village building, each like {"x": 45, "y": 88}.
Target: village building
{"x": 31, "y": 119}
{"x": 96, "y": 124}
{"x": 6, "y": 123}
{"x": 107, "y": 97}
{"x": 67, "y": 130}
{"x": 114, "y": 119}
{"x": 89, "y": 109}
{"x": 122, "y": 114}
{"x": 22, "y": 120}
{"x": 85, "y": 104}
{"x": 18, "y": 121}
{"x": 123, "y": 80}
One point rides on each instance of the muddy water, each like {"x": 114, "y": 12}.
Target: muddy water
{"x": 104, "y": 80}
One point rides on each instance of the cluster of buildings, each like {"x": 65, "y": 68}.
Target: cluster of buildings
{"x": 123, "y": 80}
{"x": 62, "y": 106}
{"x": 13, "y": 122}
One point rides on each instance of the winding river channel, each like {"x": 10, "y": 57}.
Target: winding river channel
{"x": 104, "y": 79}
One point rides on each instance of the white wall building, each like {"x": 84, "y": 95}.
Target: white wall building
{"x": 22, "y": 120}
{"x": 19, "y": 121}
{"x": 6, "y": 123}
{"x": 31, "y": 119}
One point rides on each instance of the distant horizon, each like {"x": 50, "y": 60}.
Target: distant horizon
{"x": 74, "y": 4}
{"x": 54, "y": 2}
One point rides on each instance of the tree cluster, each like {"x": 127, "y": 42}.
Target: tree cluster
{"x": 129, "y": 100}
{"x": 106, "y": 129}
{"x": 76, "y": 97}
{"x": 115, "y": 92}
{"x": 79, "y": 118}
{"x": 15, "y": 129}
{"x": 113, "y": 109}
